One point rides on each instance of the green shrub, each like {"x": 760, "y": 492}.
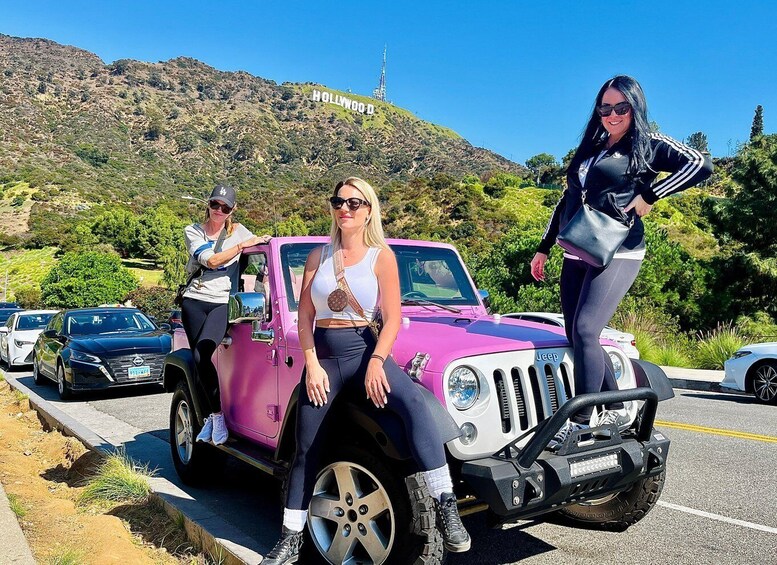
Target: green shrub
{"x": 82, "y": 279}
{"x": 716, "y": 346}
{"x": 155, "y": 301}
{"x": 28, "y": 297}
{"x": 672, "y": 355}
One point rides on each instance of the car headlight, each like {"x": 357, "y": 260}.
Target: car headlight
{"x": 741, "y": 353}
{"x": 22, "y": 343}
{"x": 617, "y": 365}
{"x": 463, "y": 388}
{"x": 81, "y": 356}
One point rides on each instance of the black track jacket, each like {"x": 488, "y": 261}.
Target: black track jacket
{"x": 610, "y": 189}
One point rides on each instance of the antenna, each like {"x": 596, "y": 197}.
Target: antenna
{"x": 380, "y": 92}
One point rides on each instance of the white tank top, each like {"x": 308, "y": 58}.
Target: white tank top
{"x": 361, "y": 280}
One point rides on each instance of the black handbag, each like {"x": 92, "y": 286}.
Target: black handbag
{"x": 594, "y": 236}
{"x": 178, "y": 300}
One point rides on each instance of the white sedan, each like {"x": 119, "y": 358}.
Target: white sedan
{"x": 624, "y": 340}
{"x": 18, "y": 335}
{"x": 754, "y": 369}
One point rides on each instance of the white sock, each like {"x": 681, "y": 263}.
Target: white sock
{"x": 294, "y": 519}
{"x": 439, "y": 481}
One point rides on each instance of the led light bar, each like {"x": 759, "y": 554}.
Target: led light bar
{"x": 594, "y": 465}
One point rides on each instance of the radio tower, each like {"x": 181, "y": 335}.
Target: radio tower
{"x": 380, "y": 92}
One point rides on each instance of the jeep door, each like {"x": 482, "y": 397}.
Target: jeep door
{"x": 248, "y": 360}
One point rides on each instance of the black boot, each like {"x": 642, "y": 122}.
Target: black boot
{"x": 455, "y": 536}
{"x": 286, "y": 550}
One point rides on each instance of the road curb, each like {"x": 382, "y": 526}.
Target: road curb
{"x": 15, "y": 547}
{"x": 705, "y": 386}
{"x": 225, "y": 543}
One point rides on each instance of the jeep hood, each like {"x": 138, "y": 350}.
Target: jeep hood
{"x": 446, "y": 338}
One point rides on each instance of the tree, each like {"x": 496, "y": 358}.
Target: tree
{"x": 541, "y": 164}
{"x": 155, "y": 301}
{"x": 757, "y": 128}
{"x": 751, "y": 215}
{"x": 83, "y": 279}
{"x": 28, "y": 297}
{"x": 698, "y": 141}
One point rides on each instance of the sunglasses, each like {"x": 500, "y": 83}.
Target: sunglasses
{"x": 621, "y": 109}
{"x": 216, "y": 206}
{"x": 353, "y": 203}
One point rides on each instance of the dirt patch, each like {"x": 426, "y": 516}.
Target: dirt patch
{"x": 46, "y": 472}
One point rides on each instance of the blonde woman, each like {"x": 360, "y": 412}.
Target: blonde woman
{"x": 342, "y": 353}
{"x": 214, "y": 248}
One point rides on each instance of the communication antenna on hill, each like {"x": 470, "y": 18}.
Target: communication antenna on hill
{"x": 380, "y": 92}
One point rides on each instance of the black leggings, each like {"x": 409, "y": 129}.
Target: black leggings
{"x": 205, "y": 324}
{"x": 344, "y": 354}
{"x": 589, "y": 298}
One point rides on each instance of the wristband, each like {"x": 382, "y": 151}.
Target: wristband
{"x": 376, "y": 356}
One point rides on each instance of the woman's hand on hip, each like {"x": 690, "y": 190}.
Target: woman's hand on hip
{"x": 639, "y": 206}
{"x": 538, "y": 266}
{"x": 376, "y": 383}
{"x": 317, "y": 385}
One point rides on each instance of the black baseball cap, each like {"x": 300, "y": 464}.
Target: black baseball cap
{"x": 224, "y": 193}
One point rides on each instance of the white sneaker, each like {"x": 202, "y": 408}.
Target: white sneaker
{"x": 207, "y": 430}
{"x": 565, "y": 431}
{"x": 608, "y": 417}
{"x": 220, "y": 432}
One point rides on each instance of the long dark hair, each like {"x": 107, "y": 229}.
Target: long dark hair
{"x": 595, "y": 134}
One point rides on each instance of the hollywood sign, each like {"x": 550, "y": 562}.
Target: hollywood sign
{"x": 347, "y": 103}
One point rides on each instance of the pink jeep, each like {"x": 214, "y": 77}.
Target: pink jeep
{"x": 499, "y": 388}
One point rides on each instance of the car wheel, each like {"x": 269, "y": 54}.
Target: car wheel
{"x": 193, "y": 461}
{"x": 63, "y": 387}
{"x": 361, "y": 512}
{"x": 617, "y": 511}
{"x": 765, "y": 382}
{"x": 37, "y": 377}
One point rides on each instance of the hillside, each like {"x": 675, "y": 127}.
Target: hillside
{"x": 81, "y": 132}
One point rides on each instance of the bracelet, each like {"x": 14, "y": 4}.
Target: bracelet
{"x": 376, "y": 356}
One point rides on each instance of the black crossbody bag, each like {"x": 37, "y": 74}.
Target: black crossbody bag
{"x": 594, "y": 236}
{"x": 178, "y": 300}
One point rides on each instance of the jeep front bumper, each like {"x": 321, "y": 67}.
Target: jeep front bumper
{"x": 522, "y": 483}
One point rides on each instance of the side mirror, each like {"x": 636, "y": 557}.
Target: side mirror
{"x": 485, "y": 297}
{"x": 166, "y": 327}
{"x": 3, "y": 329}
{"x": 247, "y": 307}
{"x": 51, "y": 334}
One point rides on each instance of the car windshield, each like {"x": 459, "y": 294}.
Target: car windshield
{"x": 94, "y": 323}
{"x": 425, "y": 274}
{"x": 32, "y": 321}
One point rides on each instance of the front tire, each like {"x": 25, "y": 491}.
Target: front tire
{"x": 193, "y": 461}
{"x": 37, "y": 377}
{"x": 765, "y": 382}
{"x": 63, "y": 387}
{"x": 618, "y": 511}
{"x": 361, "y": 512}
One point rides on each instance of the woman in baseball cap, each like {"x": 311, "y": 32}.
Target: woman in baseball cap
{"x": 214, "y": 248}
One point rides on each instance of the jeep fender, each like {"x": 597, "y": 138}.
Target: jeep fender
{"x": 649, "y": 375}
{"x": 179, "y": 365}
{"x": 384, "y": 427}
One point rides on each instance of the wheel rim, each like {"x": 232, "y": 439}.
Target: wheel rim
{"x": 183, "y": 432}
{"x": 35, "y": 369}
{"x": 765, "y": 383}
{"x": 61, "y": 379}
{"x": 351, "y": 518}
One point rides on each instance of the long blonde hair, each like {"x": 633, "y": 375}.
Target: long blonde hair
{"x": 228, "y": 224}
{"x": 373, "y": 231}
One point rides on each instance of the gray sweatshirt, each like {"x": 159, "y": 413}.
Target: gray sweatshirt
{"x": 214, "y": 285}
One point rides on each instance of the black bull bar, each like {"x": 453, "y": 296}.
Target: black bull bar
{"x": 518, "y": 483}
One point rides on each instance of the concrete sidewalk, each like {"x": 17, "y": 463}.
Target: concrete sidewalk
{"x": 697, "y": 379}
{"x": 13, "y": 545}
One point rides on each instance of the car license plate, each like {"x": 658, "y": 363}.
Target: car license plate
{"x": 136, "y": 372}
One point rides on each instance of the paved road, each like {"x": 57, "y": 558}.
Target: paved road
{"x": 718, "y": 505}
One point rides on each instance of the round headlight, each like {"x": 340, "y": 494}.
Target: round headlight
{"x": 463, "y": 388}
{"x": 617, "y": 365}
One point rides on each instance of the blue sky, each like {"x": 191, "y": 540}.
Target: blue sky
{"x": 518, "y": 78}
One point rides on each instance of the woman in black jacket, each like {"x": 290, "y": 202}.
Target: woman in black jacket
{"x": 615, "y": 165}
